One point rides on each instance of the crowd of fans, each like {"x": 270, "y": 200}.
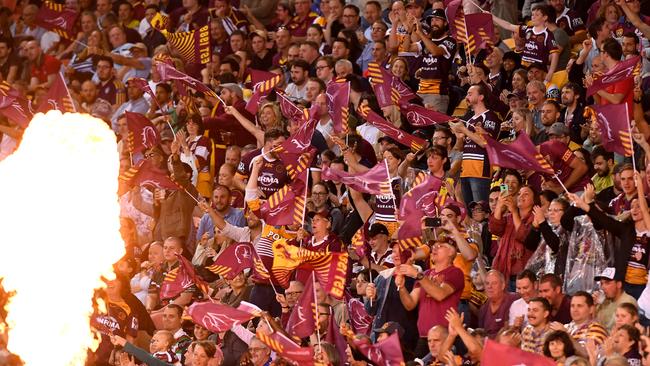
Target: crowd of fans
{"x": 555, "y": 269}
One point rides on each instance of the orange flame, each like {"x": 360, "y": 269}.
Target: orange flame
{"x": 60, "y": 223}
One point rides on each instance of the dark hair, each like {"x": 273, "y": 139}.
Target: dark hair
{"x": 515, "y": 174}
{"x": 311, "y": 44}
{"x": 613, "y": 48}
{"x": 624, "y": 167}
{"x": 151, "y": 6}
{"x": 527, "y": 273}
{"x": 167, "y": 87}
{"x": 273, "y": 134}
{"x": 318, "y": 28}
{"x": 375, "y": 3}
{"x": 595, "y": 27}
{"x": 227, "y": 78}
{"x": 328, "y": 59}
{"x": 177, "y": 308}
{"x": 548, "y": 194}
{"x": 301, "y": 64}
{"x": 563, "y": 202}
{"x": 588, "y": 161}
{"x": 551, "y": 278}
{"x": 342, "y": 40}
{"x": 482, "y": 90}
{"x": 630, "y": 308}
{"x": 353, "y": 7}
{"x": 440, "y": 151}
{"x": 559, "y": 335}
{"x": 103, "y": 58}
{"x": 546, "y": 10}
{"x": 575, "y": 87}
{"x": 329, "y": 154}
{"x": 632, "y": 333}
{"x": 126, "y": 3}
{"x": 396, "y": 152}
{"x": 599, "y": 150}
{"x": 322, "y": 184}
{"x": 536, "y": 201}
{"x": 588, "y": 298}
{"x": 234, "y": 64}
{"x": 545, "y": 304}
{"x": 8, "y": 41}
{"x": 633, "y": 36}
{"x": 209, "y": 347}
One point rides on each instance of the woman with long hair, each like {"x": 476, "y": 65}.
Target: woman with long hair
{"x": 268, "y": 116}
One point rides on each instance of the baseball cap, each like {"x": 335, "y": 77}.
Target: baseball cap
{"x": 607, "y": 274}
{"x": 390, "y": 328}
{"x": 558, "y": 129}
{"x": 376, "y": 229}
{"x": 437, "y": 13}
{"x": 519, "y": 94}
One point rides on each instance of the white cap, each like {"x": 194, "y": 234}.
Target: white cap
{"x": 607, "y": 274}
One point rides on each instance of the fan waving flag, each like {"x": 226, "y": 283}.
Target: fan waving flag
{"x": 330, "y": 268}
{"x": 338, "y": 98}
{"x": 404, "y": 138}
{"x": 291, "y": 111}
{"x": 263, "y": 82}
{"x": 520, "y": 154}
{"x": 144, "y": 85}
{"x": 146, "y": 174}
{"x": 303, "y": 319}
{"x": 420, "y": 116}
{"x": 497, "y": 354}
{"x": 360, "y": 321}
{"x": 180, "y": 279}
{"x": 233, "y": 260}
{"x": 409, "y": 234}
{"x": 614, "y": 124}
{"x": 480, "y": 32}
{"x": 286, "y": 348}
{"x": 14, "y": 105}
{"x": 456, "y": 20}
{"x": 168, "y": 72}
{"x": 58, "y": 19}
{"x": 423, "y": 198}
{"x": 296, "y": 152}
{"x": 386, "y": 352}
{"x": 193, "y": 46}
{"x": 388, "y": 88}
{"x": 217, "y": 317}
{"x": 374, "y": 181}
{"x": 287, "y": 205}
{"x": 57, "y": 98}
{"x": 143, "y": 135}
{"x": 160, "y": 21}
{"x": 623, "y": 70}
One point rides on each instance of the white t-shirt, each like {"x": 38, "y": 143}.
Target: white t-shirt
{"x": 517, "y": 309}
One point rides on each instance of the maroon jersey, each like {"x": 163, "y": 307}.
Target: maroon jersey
{"x": 475, "y": 161}
{"x": 538, "y": 47}
{"x": 273, "y": 174}
{"x": 119, "y": 320}
{"x": 112, "y": 91}
{"x": 560, "y": 156}
{"x": 298, "y": 26}
{"x": 434, "y": 70}
{"x": 385, "y": 205}
{"x": 570, "y": 21}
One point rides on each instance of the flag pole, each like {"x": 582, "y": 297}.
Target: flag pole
{"x": 270, "y": 280}
{"x": 562, "y": 184}
{"x": 74, "y": 109}
{"x": 313, "y": 286}
{"x": 189, "y": 194}
{"x": 629, "y": 129}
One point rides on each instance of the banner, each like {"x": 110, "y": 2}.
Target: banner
{"x": 193, "y": 46}
{"x": 622, "y": 71}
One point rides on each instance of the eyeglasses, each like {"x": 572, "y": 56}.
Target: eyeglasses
{"x": 321, "y": 67}
{"x": 257, "y": 349}
{"x": 321, "y": 194}
{"x": 292, "y": 293}
{"x": 555, "y": 210}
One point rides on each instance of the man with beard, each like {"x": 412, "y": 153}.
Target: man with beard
{"x": 92, "y": 104}
{"x": 221, "y": 203}
{"x": 437, "y": 51}
{"x": 573, "y": 113}
{"x": 603, "y": 162}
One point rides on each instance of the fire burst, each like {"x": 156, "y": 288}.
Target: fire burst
{"x": 60, "y": 234}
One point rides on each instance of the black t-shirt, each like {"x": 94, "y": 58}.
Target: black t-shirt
{"x": 12, "y": 60}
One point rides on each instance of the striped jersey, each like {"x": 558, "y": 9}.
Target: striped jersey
{"x": 475, "y": 162}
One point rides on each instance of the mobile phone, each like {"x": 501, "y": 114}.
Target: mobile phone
{"x": 504, "y": 189}
{"x": 432, "y": 222}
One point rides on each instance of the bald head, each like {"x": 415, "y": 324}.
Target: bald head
{"x": 88, "y": 91}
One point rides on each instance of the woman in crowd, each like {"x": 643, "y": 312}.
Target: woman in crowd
{"x": 558, "y": 345}
{"x": 268, "y": 116}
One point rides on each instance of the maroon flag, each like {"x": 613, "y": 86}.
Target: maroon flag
{"x": 192, "y": 46}
{"x": 404, "y": 93}
{"x": 287, "y": 348}
{"x": 614, "y": 123}
{"x": 14, "y": 105}
{"x": 58, "y": 19}
{"x": 148, "y": 175}
{"x": 233, "y": 260}
{"x": 287, "y": 205}
{"x": 359, "y": 241}
{"x": 303, "y": 319}
{"x": 480, "y": 32}
{"x": 291, "y": 111}
{"x": 338, "y": 99}
{"x": 57, "y": 98}
{"x": 456, "y": 20}
{"x": 330, "y": 268}
{"x": 623, "y": 70}
{"x": 404, "y": 138}
{"x": 381, "y": 81}
{"x": 144, "y": 85}
{"x": 168, "y": 72}
{"x": 296, "y": 152}
{"x": 422, "y": 198}
{"x": 409, "y": 234}
{"x": 420, "y": 116}
{"x": 188, "y": 268}
{"x": 217, "y": 317}
{"x": 497, "y": 354}
{"x": 360, "y": 321}
{"x": 520, "y": 154}
{"x": 374, "y": 181}
{"x": 386, "y": 352}
{"x": 143, "y": 135}
{"x": 334, "y": 337}
{"x": 263, "y": 82}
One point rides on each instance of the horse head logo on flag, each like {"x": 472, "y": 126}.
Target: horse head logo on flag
{"x": 148, "y": 136}
{"x": 54, "y": 104}
{"x": 59, "y": 22}
{"x": 242, "y": 251}
{"x": 418, "y": 119}
{"x": 515, "y": 156}
{"x": 220, "y": 322}
{"x": 608, "y": 133}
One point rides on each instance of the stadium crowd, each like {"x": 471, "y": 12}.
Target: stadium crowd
{"x": 466, "y": 252}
